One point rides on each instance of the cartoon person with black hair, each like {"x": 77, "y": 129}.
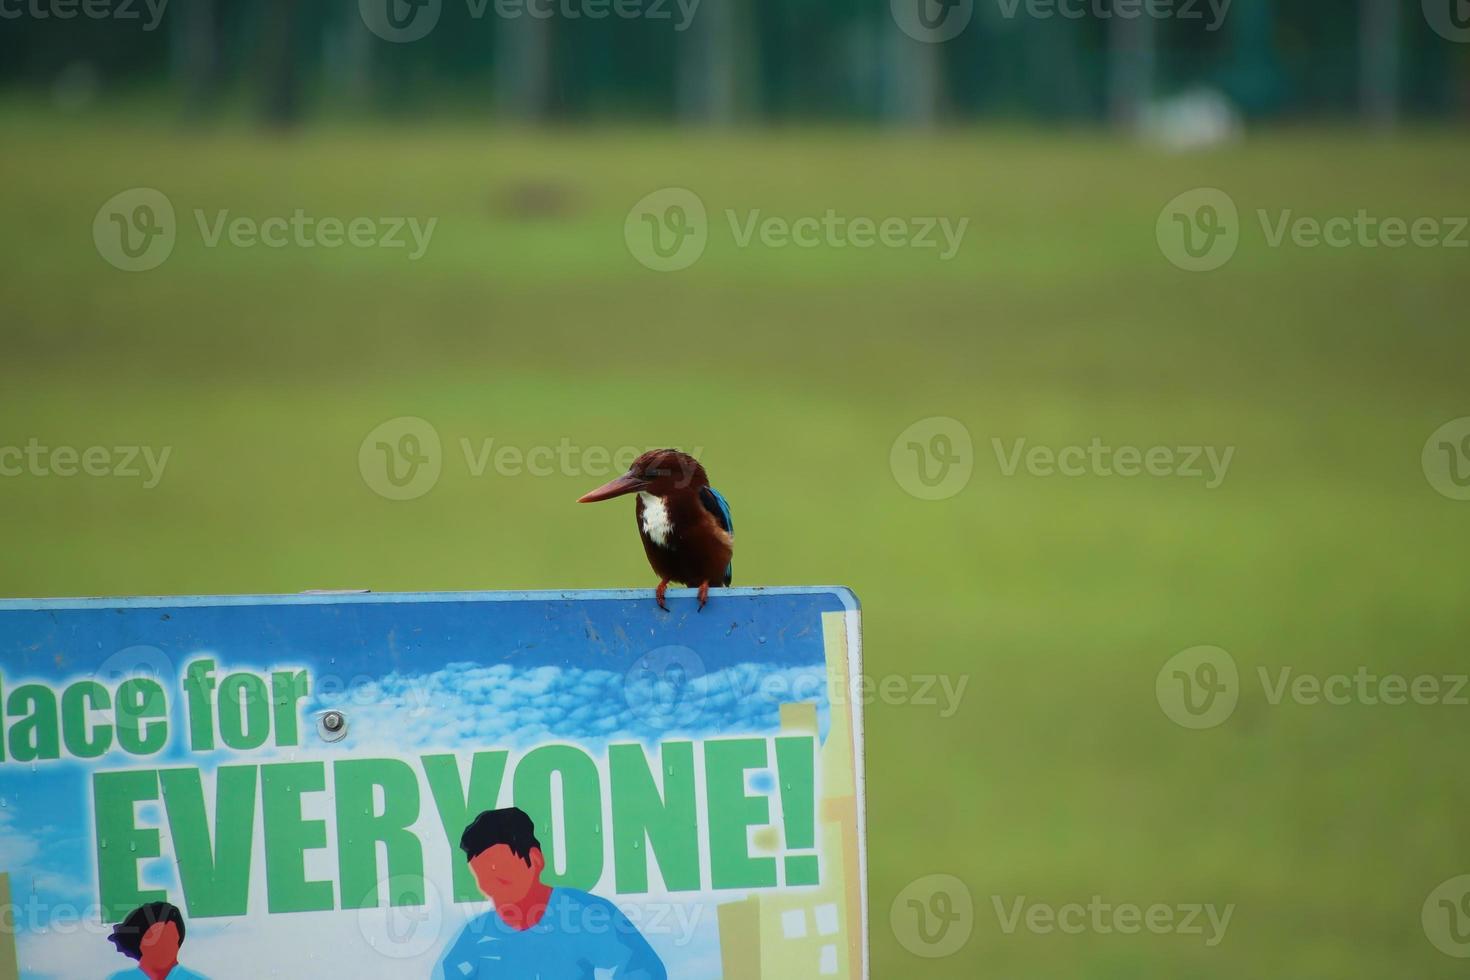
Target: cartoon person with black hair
{"x": 536, "y": 930}
{"x": 152, "y": 935}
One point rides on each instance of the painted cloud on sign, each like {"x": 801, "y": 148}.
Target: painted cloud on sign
{"x": 508, "y": 707}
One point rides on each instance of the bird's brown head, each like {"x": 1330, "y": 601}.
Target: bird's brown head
{"x": 658, "y": 471}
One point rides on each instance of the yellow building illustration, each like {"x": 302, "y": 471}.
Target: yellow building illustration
{"x": 816, "y": 932}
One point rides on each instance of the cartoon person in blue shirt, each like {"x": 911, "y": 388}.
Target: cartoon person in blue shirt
{"x": 536, "y": 930}
{"x": 152, "y": 935}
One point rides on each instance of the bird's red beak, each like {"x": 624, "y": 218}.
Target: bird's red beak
{"x": 627, "y": 483}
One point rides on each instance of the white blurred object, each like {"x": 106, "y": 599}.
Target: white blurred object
{"x": 1195, "y": 120}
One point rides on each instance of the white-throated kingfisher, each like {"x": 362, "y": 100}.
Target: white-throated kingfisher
{"x": 684, "y": 522}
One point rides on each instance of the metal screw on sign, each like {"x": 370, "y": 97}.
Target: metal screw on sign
{"x": 332, "y": 726}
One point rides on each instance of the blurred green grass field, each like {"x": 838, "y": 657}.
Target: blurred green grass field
{"x": 1059, "y": 777}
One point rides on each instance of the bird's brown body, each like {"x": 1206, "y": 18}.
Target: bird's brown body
{"x": 697, "y": 550}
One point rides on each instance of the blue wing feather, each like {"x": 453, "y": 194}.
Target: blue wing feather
{"x": 716, "y": 504}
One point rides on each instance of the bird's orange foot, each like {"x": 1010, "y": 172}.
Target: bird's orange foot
{"x": 703, "y": 595}
{"x": 658, "y": 594}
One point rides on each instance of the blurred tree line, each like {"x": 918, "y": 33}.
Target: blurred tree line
{"x": 742, "y": 60}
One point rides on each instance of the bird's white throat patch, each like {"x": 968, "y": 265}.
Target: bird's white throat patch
{"x": 656, "y": 523}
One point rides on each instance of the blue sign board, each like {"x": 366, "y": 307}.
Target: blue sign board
{"x": 439, "y": 785}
